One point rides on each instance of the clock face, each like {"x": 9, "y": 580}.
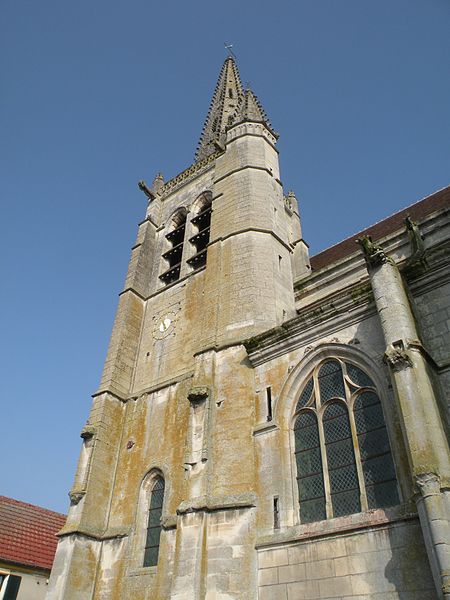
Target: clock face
{"x": 164, "y": 325}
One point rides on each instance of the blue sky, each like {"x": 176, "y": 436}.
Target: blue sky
{"x": 97, "y": 95}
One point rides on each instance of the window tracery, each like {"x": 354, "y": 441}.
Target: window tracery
{"x": 343, "y": 456}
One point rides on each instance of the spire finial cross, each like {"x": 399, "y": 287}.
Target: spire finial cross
{"x": 231, "y": 54}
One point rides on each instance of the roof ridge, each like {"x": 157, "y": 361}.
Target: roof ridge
{"x": 384, "y": 219}
{"x": 13, "y": 502}
{"x": 419, "y": 211}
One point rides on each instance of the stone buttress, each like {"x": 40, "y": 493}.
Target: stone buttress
{"x": 422, "y": 420}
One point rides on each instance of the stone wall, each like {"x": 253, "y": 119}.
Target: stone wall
{"x": 387, "y": 563}
{"x": 433, "y": 311}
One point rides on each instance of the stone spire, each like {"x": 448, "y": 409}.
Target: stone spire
{"x": 230, "y": 105}
{"x": 226, "y": 97}
{"x": 250, "y": 109}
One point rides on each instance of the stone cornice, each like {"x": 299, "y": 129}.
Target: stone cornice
{"x": 263, "y": 428}
{"x": 323, "y": 317}
{"x": 174, "y": 283}
{"x": 259, "y": 135}
{"x": 351, "y": 523}
{"x": 214, "y": 503}
{"x": 161, "y": 385}
{"x": 198, "y": 168}
{"x": 94, "y": 533}
{"x": 396, "y": 244}
{"x": 133, "y": 291}
{"x": 244, "y": 168}
{"x": 255, "y": 230}
{"x": 148, "y": 390}
{"x": 433, "y": 273}
{"x": 122, "y": 397}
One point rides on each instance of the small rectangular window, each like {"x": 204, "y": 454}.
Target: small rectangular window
{"x": 276, "y": 513}
{"x": 11, "y": 585}
{"x": 269, "y": 403}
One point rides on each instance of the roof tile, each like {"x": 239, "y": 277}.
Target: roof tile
{"x": 28, "y": 533}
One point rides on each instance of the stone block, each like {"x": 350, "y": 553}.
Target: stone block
{"x": 320, "y": 569}
{"x": 289, "y": 573}
{"x": 303, "y": 589}
{"x": 273, "y": 558}
{"x": 331, "y": 548}
{"x": 273, "y": 592}
{"x": 335, "y": 587}
{"x": 304, "y": 553}
{"x": 371, "y": 583}
{"x": 268, "y": 576}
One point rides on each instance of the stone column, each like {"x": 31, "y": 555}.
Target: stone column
{"x": 422, "y": 424}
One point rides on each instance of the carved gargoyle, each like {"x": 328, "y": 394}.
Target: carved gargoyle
{"x": 76, "y": 495}
{"x": 290, "y": 201}
{"x": 397, "y": 358}
{"x": 415, "y": 240}
{"x": 147, "y": 191}
{"x": 198, "y": 394}
{"x": 373, "y": 253}
{"x": 88, "y": 432}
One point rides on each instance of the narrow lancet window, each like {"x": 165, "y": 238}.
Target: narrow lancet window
{"x": 342, "y": 471}
{"x": 202, "y": 222}
{"x": 154, "y": 523}
{"x": 375, "y": 451}
{"x": 309, "y": 468}
{"x": 174, "y": 255}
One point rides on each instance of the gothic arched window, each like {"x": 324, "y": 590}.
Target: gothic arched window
{"x": 173, "y": 256}
{"x": 202, "y": 222}
{"x": 154, "y": 523}
{"x": 342, "y": 451}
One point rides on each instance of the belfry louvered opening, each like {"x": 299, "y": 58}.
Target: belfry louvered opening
{"x": 202, "y": 222}
{"x": 174, "y": 255}
{"x": 342, "y": 451}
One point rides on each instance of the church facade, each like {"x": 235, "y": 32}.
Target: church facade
{"x": 267, "y": 426}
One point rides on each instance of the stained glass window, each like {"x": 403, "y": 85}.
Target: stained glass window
{"x": 305, "y": 395}
{"x": 358, "y": 377}
{"x": 309, "y": 468}
{"x": 375, "y": 451}
{"x": 342, "y": 472}
{"x": 331, "y": 382}
{"x": 154, "y": 523}
{"x": 334, "y": 477}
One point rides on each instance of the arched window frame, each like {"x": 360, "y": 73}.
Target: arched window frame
{"x": 154, "y": 524}
{"x": 199, "y": 230}
{"x": 141, "y": 520}
{"x": 171, "y": 268}
{"x": 324, "y": 356}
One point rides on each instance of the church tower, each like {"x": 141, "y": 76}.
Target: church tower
{"x": 164, "y": 502}
{"x": 266, "y": 427}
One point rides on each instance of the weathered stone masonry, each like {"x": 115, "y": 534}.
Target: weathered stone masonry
{"x": 205, "y": 387}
